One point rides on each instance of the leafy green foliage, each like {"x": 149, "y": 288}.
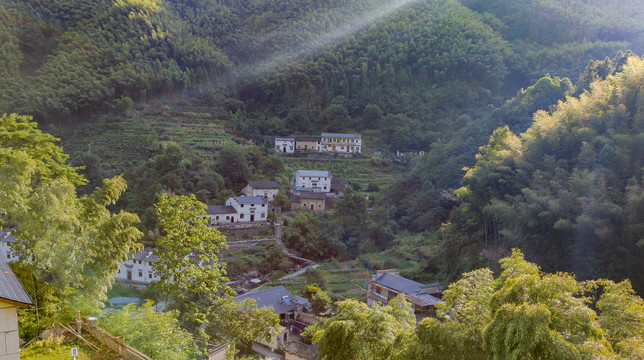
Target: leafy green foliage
{"x": 156, "y": 334}
{"x": 303, "y": 234}
{"x": 564, "y": 190}
{"x": 242, "y": 321}
{"x": 320, "y": 299}
{"x": 187, "y": 250}
{"x": 71, "y": 58}
{"x": 526, "y": 313}
{"x": 38, "y": 198}
{"x": 358, "y": 331}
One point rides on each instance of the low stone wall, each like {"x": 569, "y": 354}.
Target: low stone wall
{"x": 243, "y": 244}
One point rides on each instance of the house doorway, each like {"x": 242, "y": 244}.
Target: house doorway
{"x": 312, "y": 206}
{"x": 252, "y": 217}
{"x": 129, "y": 275}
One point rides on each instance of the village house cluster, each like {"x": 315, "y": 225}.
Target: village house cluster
{"x": 328, "y": 142}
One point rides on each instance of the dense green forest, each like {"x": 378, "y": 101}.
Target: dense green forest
{"x": 530, "y": 114}
{"x": 438, "y": 76}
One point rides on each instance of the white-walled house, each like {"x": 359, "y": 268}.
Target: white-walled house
{"x": 312, "y": 180}
{"x": 266, "y": 189}
{"x": 222, "y": 214}
{"x": 6, "y": 252}
{"x": 341, "y": 143}
{"x": 285, "y": 145}
{"x": 239, "y": 209}
{"x": 138, "y": 268}
{"x": 249, "y": 208}
{"x": 12, "y": 296}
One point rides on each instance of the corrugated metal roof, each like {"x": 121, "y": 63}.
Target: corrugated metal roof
{"x": 11, "y": 289}
{"x": 313, "y": 173}
{"x": 411, "y": 289}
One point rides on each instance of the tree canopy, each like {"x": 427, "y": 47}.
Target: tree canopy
{"x": 77, "y": 243}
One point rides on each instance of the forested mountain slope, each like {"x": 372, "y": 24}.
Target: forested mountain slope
{"x": 64, "y": 61}
{"x": 569, "y": 190}
{"x": 430, "y": 75}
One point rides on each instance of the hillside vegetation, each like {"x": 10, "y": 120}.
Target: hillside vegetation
{"x": 568, "y": 190}
{"x": 529, "y": 112}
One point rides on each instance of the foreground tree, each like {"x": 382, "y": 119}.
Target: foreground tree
{"x": 528, "y": 314}
{"x": 320, "y": 299}
{"x": 188, "y": 265}
{"x": 156, "y": 334}
{"x": 522, "y": 314}
{"x": 358, "y": 331}
{"x": 76, "y": 243}
{"x": 242, "y": 321}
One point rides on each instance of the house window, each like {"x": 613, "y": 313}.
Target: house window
{"x": 325, "y": 188}
{"x": 263, "y": 205}
{"x": 140, "y": 273}
{"x": 149, "y": 275}
{"x": 241, "y": 216}
{"x": 217, "y": 217}
{"x": 227, "y": 217}
{"x": 242, "y": 205}
{"x": 263, "y": 215}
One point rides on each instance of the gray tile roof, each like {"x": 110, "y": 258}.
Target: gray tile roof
{"x": 11, "y": 290}
{"x": 250, "y": 200}
{"x": 312, "y": 195}
{"x": 307, "y": 138}
{"x": 337, "y": 184}
{"x": 355, "y": 136}
{"x": 220, "y": 209}
{"x": 264, "y": 184}
{"x": 313, "y": 173}
{"x": 280, "y": 299}
{"x": 146, "y": 254}
{"x": 302, "y": 350}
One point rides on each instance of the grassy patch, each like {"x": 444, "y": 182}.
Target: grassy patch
{"x": 50, "y": 350}
{"x": 342, "y": 281}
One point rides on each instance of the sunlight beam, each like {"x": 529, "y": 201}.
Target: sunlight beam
{"x": 306, "y": 48}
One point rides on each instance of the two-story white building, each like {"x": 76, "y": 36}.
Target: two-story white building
{"x": 312, "y": 180}
{"x": 341, "y": 143}
{"x": 138, "y": 268}
{"x": 285, "y": 145}
{"x": 249, "y": 208}
{"x": 266, "y": 189}
{"x": 239, "y": 209}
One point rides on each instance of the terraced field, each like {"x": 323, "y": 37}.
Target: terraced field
{"x": 357, "y": 170}
{"x": 124, "y": 140}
